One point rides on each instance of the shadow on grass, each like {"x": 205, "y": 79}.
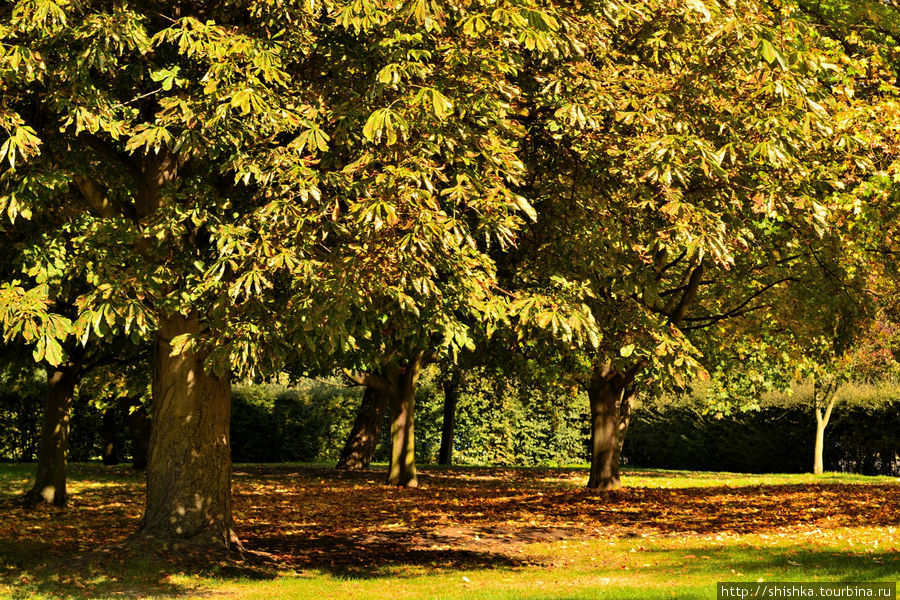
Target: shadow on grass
{"x": 384, "y": 554}
{"x": 121, "y": 571}
{"x": 750, "y": 563}
{"x": 349, "y": 525}
{"x": 114, "y": 575}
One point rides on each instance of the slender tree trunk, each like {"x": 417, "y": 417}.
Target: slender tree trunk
{"x": 824, "y": 398}
{"x": 448, "y": 425}
{"x": 402, "y": 469}
{"x": 139, "y": 430}
{"x": 110, "y": 434}
{"x": 605, "y": 392}
{"x": 819, "y": 452}
{"x": 50, "y": 482}
{"x": 360, "y": 445}
{"x": 189, "y": 467}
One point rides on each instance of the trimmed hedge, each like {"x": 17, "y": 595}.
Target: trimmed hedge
{"x": 272, "y": 423}
{"x": 859, "y": 439}
{"x": 498, "y": 423}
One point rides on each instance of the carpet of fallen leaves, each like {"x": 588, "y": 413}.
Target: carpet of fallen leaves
{"x": 471, "y": 517}
{"x": 307, "y": 518}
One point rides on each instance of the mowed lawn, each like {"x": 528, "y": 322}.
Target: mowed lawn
{"x": 467, "y": 533}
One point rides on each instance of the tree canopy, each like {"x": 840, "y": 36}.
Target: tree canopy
{"x": 624, "y": 192}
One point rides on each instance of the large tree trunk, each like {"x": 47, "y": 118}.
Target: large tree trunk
{"x": 360, "y": 445}
{"x": 404, "y": 381}
{"x": 139, "y": 430}
{"x": 448, "y": 425}
{"x": 189, "y": 468}
{"x": 605, "y": 391}
{"x": 50, "y": 482}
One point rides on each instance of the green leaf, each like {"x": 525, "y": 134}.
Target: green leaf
{"x": 770, "y": 54}
{"x": 374, "y": 124}
{"x": 54, "y": 352}
{"x": 526, "y": 207}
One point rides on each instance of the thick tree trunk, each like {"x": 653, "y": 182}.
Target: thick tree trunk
{"x": 110, "y": 434}
{"x": 189, "y": 467}
{"x": 605, "y": 391}
{"x": 402, "y": 470}
{"x": 448, "y": 425}
{"x": 360, "y": 445}
{"x": 50, "y": 482}
{"x": 139, "y": 430}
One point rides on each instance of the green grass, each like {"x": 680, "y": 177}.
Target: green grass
{"x": 473, "y": 533}
{"x": 673, "y": 479}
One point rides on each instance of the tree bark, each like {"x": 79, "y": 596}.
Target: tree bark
{"x": 402, "y": 470}
{"x": 605, "y": 391}
{"x": 819, "y": 451}
{"x": 50, "y": 481}
{"x": 824, "y": 398}
{"x": 360, "y": 445}
{"x": 448, "y": 425}
{"x": 189, "y": 467}
{"x": 623, "y": 421}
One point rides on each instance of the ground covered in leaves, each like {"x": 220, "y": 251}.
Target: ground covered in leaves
{"x": 491, "y": 533}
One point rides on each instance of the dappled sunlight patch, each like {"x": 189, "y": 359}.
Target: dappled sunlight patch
{"x": 303, "y": 524}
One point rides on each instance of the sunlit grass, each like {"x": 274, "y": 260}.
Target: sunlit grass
{"x": 639, "y": 569}
{"x": 602, "y": 546}
{"x": 657, "y": 478}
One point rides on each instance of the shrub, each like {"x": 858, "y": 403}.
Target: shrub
{"x": 862, "y": 437}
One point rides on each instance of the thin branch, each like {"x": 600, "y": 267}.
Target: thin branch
{"x": 681, "y": 288}
{"x": 736, "y": 311}
{"x": 670, "y": 264}
{"x": 135, "y": 99}
{"x": 739, "y": 313}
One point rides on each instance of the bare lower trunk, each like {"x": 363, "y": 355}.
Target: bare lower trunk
{"x": 604, "y": 392}
{"x": 189, "y": 467}
{"x": 402, "y": 470}
{"x": 610, "y": 396}
{"x": 50, "y": 481}
{"x": 451, "y": 398}
{"x": 819, "y": 452}
{"x": 823, "y": 397}
{"x": 360, "y": 445}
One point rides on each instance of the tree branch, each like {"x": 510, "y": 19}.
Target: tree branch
{"x": 371, "y": 380}
{"x": 689, "y": 294}
{"x": 739, "y": 309}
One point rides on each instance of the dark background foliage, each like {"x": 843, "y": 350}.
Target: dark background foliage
{"x": 500, "y": 422}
